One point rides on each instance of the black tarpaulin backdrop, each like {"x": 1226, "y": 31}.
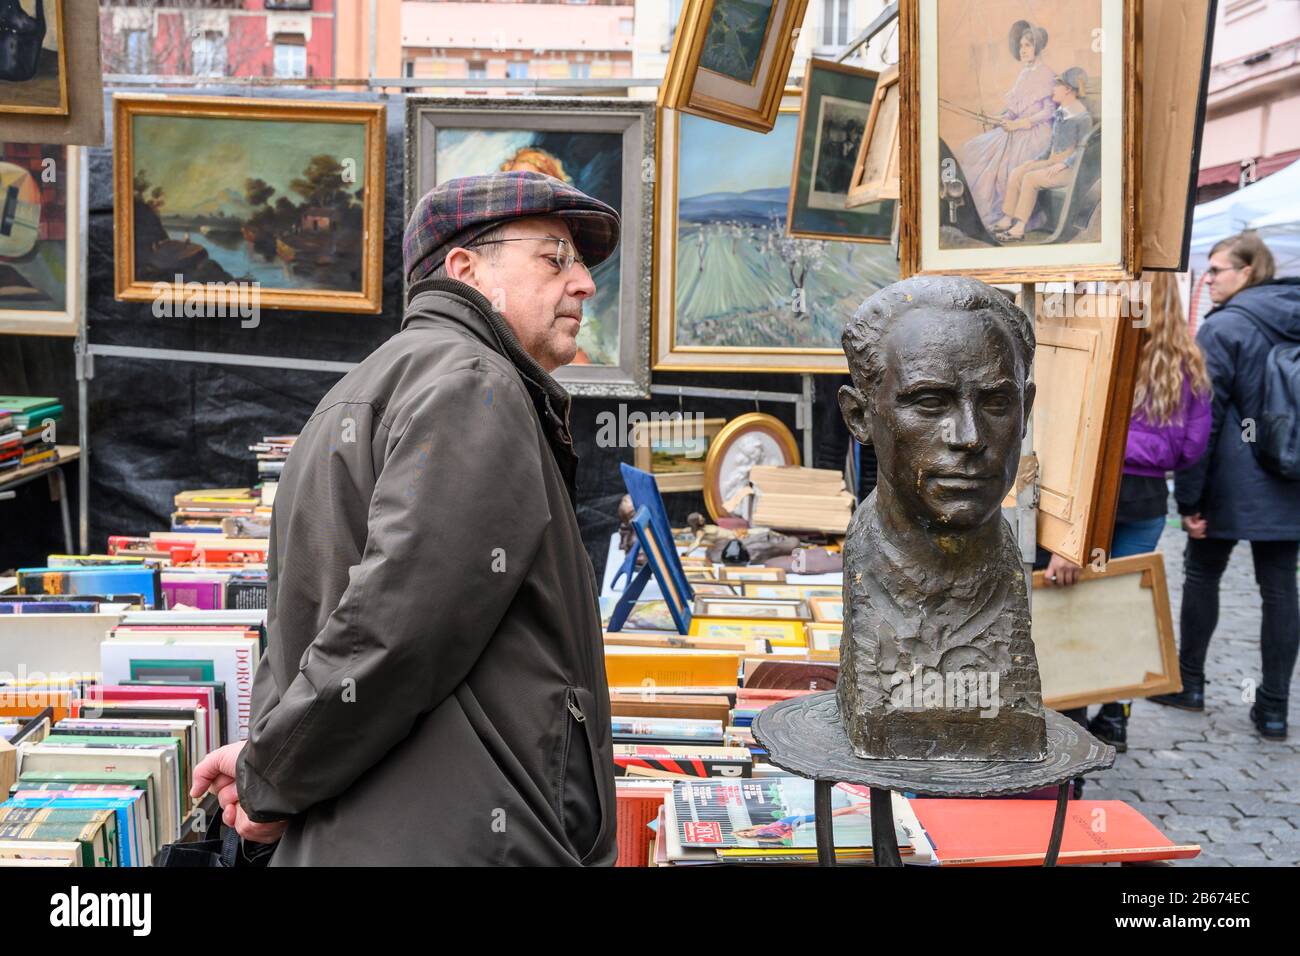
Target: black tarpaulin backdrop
{"x": 159, "y": 427}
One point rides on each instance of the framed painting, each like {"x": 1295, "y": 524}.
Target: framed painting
{"x": 750, "y": 440}
{"x": 275, "y": 201}
{"x": 603, "y": 147}
{"x": 875, "y": 173}
{"x": 43, "y": 243}
{"x": 33, "y": 58}
{"x": 730, "y": 60}
{"x": 832, "y": 120}
{"x": 674, "y": 450}
{"x": 1020, "y": 139}
{"x": 1175, "y": 35}
{"x": 733, "y": 291}
{"x": 1109, "y": 637}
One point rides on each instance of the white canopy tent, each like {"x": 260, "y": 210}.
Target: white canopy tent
{"x": 1270, "y": 206}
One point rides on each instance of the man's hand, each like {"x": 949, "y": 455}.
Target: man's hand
{"x": 1195, "y": 526}
{"x": 1061, "y": 572}
{"x": 216, "y": 773}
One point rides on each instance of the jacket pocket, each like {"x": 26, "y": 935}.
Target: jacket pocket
{"x": 580, "y": 798}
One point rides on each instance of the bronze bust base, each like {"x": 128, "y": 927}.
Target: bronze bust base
{"x": 807, "y": 737}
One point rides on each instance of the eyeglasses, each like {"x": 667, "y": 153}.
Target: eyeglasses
{"x": 1215, "y": 271}
{"x": 564, "y": 257}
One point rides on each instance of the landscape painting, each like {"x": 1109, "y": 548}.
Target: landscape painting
{"x": 733, "y": 44}
{"x": 279, "y": 199}
{"x": 590, "y": 161}
{"x": 744, "y": 293}
{"x": 33, "y": 61}
{"x": 40, "y": 189}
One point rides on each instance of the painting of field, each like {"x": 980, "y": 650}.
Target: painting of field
{"x": 740, "y": 280}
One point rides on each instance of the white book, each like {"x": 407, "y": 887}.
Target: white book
{"x": 234, "y": 659}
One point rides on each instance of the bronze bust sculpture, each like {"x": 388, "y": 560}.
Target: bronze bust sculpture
{"x": 937, "y": 662}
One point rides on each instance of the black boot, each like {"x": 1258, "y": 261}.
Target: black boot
{"x": 1191, "y": 697}
{"x": 1269, "y": 720}
{"x": 1110, "y": 726}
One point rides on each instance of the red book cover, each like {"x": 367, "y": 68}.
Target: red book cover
{"x": 636, "y": 808}
{"x": 1015, "y": 833}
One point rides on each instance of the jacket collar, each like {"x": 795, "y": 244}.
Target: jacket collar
{"x": 430, "y": 299}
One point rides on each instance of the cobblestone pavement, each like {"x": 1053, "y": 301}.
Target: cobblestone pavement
{"x": 1210, "y": 778}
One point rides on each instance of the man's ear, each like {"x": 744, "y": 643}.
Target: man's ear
{"x": 1030, "y": 391}
{"x": 462, "y": 266}
{"x": 855, "y": 408}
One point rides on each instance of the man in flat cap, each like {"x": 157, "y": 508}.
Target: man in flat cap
{"x": 433, "y": 690}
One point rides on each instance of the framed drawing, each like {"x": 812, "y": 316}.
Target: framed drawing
{"x": 1020, "y": 139}
{"x": 755, "y": 573}
{"x": 43, "y": 248}
{"x": 602, "y": 147}
{"x": 800, "y": 591}
{"x": 827, "y": 610}
{"x": 1085, "y": 367}
{"x": 674, "y": 450}
{"x": 775, "y": 632}
{"x": 1176, "y": 36}
{"x": 33, "y": 58}
{"x": 832, "y": 119}
{"x": 875, "y": 172}
{"x": 744, "y": 607}
{"x": 732, "y": 291}
{"x": 281, "y": 200}
{"x": 730, "y": 59}
{"x": 752, "y": 439}
{"x": 1109, "y": 637}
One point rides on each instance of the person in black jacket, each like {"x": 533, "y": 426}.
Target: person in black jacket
{"x": 1228, "y": 496}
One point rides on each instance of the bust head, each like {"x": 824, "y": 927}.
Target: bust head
{"x": 934, "y": 584}
{"x": 939, "y": 367}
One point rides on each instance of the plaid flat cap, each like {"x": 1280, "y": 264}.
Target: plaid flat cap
{"x": 460, "y": 210}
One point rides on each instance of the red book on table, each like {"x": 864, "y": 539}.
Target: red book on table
{"x": 1015, "y": 833}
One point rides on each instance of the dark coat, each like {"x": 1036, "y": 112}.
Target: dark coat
{"x": 434, "y": 689}
{"x": 1240, "y": 499}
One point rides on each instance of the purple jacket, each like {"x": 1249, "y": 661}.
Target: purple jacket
{"x": 1153, "y": 450}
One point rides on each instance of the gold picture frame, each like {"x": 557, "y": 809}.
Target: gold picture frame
{"x": 696, "y": 81}
{"x": 876, "y": 172}
{"x": 781, "y": 632}
{"x": 718, "y": 484}
{"x": 862, "y": 266}
{"x": 128, "y": 108}
{"x": 827, "y": 610}
{"x": 745, "y": 573}
{"x": 644, "y": 435}
{"x": 1092, "y": 216}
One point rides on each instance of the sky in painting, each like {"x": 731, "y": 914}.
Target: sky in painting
{"x": 759, "y": 160}
{"x": 203, "y": 163}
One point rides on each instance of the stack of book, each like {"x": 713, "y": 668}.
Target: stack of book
{"x": 800, "y": 499}
{"x": 205, "y": 510}
{"x": 31, "y": 422}
{"x": 272, "y": 452}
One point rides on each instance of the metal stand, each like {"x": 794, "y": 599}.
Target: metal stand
{"x": 884, "y": 841}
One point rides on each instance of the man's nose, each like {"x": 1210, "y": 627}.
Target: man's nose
{"x": 964, "y": 428}
{"x": 581, "y": 285}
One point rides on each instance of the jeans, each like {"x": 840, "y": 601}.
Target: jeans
{"x": 1136, "y": 537}
{"x": 1279, "y": 633}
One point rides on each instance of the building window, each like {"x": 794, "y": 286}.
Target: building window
{"x": 835, "y": 22}
{"x": 517, "y": 70}
{"x": 290, "y": 56}
{"x": 580, "y": 71}
{"x": 208, "y": 54}
{"x": 625, "y": 26}
{"x": 136, "y": 45}
{"x": 477, "y": 70}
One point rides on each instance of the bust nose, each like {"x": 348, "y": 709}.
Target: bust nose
{"x": 965, "y": 432}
